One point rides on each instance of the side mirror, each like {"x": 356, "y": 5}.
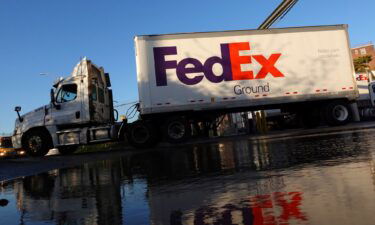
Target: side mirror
{"x": 116, "y": 113}
{"x": 18, "y": 109}
{"x": 52, "y": 96}
{"x": 53, "y": 101}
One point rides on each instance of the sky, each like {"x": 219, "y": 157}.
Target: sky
{"x": 50, "y": 37}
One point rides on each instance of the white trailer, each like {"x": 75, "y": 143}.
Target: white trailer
{"x": 186, "y": 80}
{"x": 217, "y": 70}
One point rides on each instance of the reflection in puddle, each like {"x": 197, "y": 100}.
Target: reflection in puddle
{"x": 278, "y": 208}
{"x": 315, "y": 180}
{"x": 82, "y": 195}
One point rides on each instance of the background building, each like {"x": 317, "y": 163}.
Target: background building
{"x": 363, "y": 50}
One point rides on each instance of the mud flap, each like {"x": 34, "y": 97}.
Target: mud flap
{"x": 355, "y": 112}
{"x": 371, "y": 88}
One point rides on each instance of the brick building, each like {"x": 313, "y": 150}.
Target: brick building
{"x": 364, "y": 50}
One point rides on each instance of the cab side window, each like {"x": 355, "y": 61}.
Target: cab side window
{"x": 67, "y": 93}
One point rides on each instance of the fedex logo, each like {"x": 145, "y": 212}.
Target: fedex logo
{"x": 230, "y": 62}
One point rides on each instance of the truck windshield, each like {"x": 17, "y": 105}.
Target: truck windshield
{"x": 67, "y": 93}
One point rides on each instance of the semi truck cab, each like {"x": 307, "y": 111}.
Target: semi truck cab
{"x": 80, "y": 112}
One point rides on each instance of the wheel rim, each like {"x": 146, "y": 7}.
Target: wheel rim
{"x": 176, "y": 130}
{"x": 140, "y": 134}
{"x": 35, "y": 143}
{"x": 340, "y": 113}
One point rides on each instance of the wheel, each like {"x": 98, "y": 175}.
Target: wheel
{"x": 141, "y": 134}
{"x": 337, "y": 113}
{"x": 176, "y": 130}
{"x": 67, "y": 150}
{"x": 37, "y": 143}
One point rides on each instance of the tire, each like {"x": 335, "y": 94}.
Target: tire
{"x": 37, "y": 143}
{"x": 141, "y": 134}
{"x": 176, "y": 130}
{"x": 67, "y": 150}
{"x": 337, "y": 113}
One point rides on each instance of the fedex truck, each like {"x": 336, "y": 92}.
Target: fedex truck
{"x": 193, "y": 78}
{"x": 366, "y": 90}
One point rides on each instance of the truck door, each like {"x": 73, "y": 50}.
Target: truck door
{"x": 68, "y": 98}
{"x": 99, "y": 101}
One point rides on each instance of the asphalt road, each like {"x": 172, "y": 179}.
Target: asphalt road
{"x": 322, "y": 176}
{"x": 13, "y": 168}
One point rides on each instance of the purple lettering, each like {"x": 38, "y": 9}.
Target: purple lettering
{"x": 161, "y": 65}
{"x": 182, "y": 70}
{"x": 224, "y": 61}
{"x": 229, "y": 60}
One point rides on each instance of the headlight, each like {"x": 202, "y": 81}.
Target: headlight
{"x": 21, "y": 152}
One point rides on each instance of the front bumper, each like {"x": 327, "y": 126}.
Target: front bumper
{"x": 11, "y": 152}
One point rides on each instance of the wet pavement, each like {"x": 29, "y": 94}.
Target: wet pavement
{"x": 316, "y": 179}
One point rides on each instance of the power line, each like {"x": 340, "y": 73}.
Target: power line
{"x": 125, "y": 104}
{"x": 279, "y": 13}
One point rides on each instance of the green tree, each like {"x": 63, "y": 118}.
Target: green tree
{"x": 361, "y": 63}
